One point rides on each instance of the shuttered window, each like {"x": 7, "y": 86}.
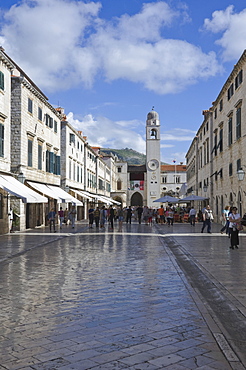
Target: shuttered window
{"x": 40, "y": 157}
{"x": 238, "y": 123}
{"x": 30, "y": 103}
{"x": 1, "y": 81}
{"x": 29, "y": 159}
{"x": 1, "y": 140}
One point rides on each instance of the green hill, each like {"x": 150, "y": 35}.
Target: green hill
{"x": 127, "y": 155}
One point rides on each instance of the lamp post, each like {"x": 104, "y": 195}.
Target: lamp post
{"x": 21, "y": 178}
{"x": 240, "y": 174}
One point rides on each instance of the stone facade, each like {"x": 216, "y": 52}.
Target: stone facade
{"x": 35, "y": 143}
{"x": 6, "y": 67}
{"x": 172, "y": 178}
{"x": 217, "y": 152}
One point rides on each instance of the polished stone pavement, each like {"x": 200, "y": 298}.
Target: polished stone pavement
{"x": 149, "y": 297}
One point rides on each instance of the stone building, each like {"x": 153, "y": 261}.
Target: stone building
{"x": 172, "y": 179}
{"x": 216, "y": 154}
{"x": 143, "y": 184}
{"x": 6, "y": 67}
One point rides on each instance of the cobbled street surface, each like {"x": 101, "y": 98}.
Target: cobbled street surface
{"x": 94, "y": 299}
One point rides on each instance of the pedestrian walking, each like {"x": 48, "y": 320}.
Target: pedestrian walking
{"x": 91, "y": 216}
{"x": 52, "y": 219}
{"x": 129, "y": 215}
{"x": 111, "y": 216}
{"x": 151, "y": 213}
{"x": 207, "y": 219}
{"x": 192, "y": 216}
{"x": 97, "y": 216}
{"x": 103, "y": 216}
{"x": 234, "y": 226}
{"x": 72, "y": 215}
{"x": 169, "y": 216}
{"x": 146, "y": 214}
{"x": 66, "y": 216}
{"x": 225, "y": 220}
{"x": 120, "y": 218}
{"x": 11, "y": 217}
{"x": 161, "y": 214}
{"x": 61, "y": 216}
{"x": 139, "y": 212}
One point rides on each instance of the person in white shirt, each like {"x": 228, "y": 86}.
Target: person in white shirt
{"x": 207, "y": 219}
{"x": 192, "y": 216}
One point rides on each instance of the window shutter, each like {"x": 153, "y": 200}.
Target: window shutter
{"x": 1, "y": 81}
{"x": 1, "y": 140}
{"x": 47, "y": 161}
{"x": 29, "y": 153}
{"x": 58, "y": 162}
{"x": 51, "y": 162}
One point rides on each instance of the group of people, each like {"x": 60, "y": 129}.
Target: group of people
{"x": 101, "y": 215}
{"x": 65, "y": 216}
{"x": 145, "y": 214}
{"x": 231, "y": 219}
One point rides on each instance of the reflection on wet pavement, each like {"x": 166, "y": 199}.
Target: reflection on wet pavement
{"x": 105, "y": 301}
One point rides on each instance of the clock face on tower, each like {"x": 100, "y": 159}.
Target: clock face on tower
{"x": 153, "y": 164}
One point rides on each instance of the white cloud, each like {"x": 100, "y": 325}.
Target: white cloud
{"x": 105, "y": 133}
{"x": 166, "y": 146}
{"x": 233, "y": 28}
{"x": 221, "y": 20}
{"x": 64, "y": 43}
{"x": 108, "y": 134}
{"x": 178, "y": 134}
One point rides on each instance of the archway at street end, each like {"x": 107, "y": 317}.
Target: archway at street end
{"x": 136, "y": 200}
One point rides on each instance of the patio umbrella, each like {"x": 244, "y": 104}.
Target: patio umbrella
{"x": 167, "y": 199}
{"x": 191, "y": 198}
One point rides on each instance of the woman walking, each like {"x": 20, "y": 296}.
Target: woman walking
{"x": 235, "y": 222}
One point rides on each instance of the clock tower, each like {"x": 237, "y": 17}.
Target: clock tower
{"x": 153, "y": 162}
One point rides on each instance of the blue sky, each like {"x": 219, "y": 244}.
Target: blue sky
{"x": 107, "y": 63}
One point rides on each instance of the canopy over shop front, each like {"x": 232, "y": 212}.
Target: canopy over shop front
{"x": 83, "y": 194}
{"x": 16, "y": 188}
{"x": 55, "y": 192}
{"x": 191, "y": 198}
{"x": 167, "y": 199}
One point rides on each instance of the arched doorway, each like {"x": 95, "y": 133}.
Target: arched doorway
{"x": 137, "y": 199}
{"x": 118, "y": 199}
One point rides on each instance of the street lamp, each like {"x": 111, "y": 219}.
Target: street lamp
{"x": 205, "y": 188}
{"x": 21, "y": 178}
{"x": 240, "y": 174}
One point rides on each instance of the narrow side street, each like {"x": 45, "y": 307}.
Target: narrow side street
{"x": 93, "y": 299}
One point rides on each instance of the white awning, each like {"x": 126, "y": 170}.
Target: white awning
{"x": 43, "y": 189}
{"x": 102, "y": 199}
{"x": 15, "y": 187}
{"x": 105, "y": 200}
{"x": 55, "y": 192}
{"x": 110, "y": 200}
{"x": 82, "y": 193}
